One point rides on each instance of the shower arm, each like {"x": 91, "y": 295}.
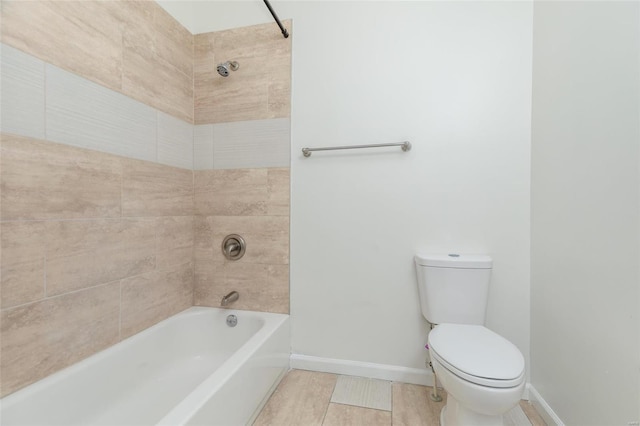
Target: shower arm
{"x": 285, "y": 33}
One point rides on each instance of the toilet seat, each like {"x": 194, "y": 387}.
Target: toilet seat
{"x": 478, "y": 355}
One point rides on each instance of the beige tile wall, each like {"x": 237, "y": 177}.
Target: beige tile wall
{"x": 95, "y": 248}
{"x": 259, "y": 89}
{"x": 255, "y": 204}
{"x": 133, "y": 47}
{"x": 138, "y": 49}
{"x": 251, "y": 202}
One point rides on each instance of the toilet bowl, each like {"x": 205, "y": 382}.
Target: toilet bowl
{"x": 482, "y": 372}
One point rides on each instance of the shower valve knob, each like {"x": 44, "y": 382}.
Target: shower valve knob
{"x": 233, "y": 247}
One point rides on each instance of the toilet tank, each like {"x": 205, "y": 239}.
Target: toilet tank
{"x": 453, "y": 288}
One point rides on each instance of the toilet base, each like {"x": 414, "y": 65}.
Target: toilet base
{"x": 454, "y": 414}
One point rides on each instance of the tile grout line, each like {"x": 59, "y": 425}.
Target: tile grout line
{"x": 193, "y": 147}
{"x": 193, "y": 227}
{"x": 157, "y": 134}
{"x": 99, "y": 218}
{"x": 326, "y": 410}
{"x": 120, "y": 314}
{"x": 391, "y": 390}
{"x": 213, "y": 147}
{"x": 22, "y": 305}
{"x": 122, "y": 167}
{"x": 44, "y": 274}
{"x": 45, "y": 99}
{"x": 94, "y": 286}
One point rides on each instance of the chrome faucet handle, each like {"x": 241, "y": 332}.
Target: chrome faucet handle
{"x": 232, "y": 249}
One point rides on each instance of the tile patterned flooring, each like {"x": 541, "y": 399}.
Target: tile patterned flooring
{"x": 307, "y": 398}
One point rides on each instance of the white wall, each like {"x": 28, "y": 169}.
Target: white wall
{"x": 585, "y": 344}
{"x": 184, "y": 11}
{"x": 454, "y": 79}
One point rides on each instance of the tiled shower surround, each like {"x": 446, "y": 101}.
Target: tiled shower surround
{"x": 255, "y": 204}
{"x": 132, "y": 47}
{"x": 114, "y": 200}
{"x": 95, "y": 248}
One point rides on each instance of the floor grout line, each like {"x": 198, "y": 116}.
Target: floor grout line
{"x": 326, "y": 409}
{"x": 391, "y": 422}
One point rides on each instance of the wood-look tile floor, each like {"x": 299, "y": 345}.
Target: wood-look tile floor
{"x": 303, "y": 398}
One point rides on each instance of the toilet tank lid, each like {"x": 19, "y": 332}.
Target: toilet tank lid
{"x": 462, "y": 261}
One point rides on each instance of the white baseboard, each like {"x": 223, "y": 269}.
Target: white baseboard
{"x": 543, "y": 408}
{"x": 363, "y": 369}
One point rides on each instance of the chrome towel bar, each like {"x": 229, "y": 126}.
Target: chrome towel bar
{"x": 406, "y": 146}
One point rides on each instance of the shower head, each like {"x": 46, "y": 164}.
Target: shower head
{"x": 223, "y": 69}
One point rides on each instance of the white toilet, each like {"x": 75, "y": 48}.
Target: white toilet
{"x": 482, "y": 372}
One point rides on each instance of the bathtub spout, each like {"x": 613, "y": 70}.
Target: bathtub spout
{"x": 230, "y": 298}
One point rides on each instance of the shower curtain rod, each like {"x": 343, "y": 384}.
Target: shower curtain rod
{"x": 283, "y": 29}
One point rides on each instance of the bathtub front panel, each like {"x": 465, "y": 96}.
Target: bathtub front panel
{"x": 141, "y": 379}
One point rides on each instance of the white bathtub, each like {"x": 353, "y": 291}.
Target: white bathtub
{"x": 190, "y": 369}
